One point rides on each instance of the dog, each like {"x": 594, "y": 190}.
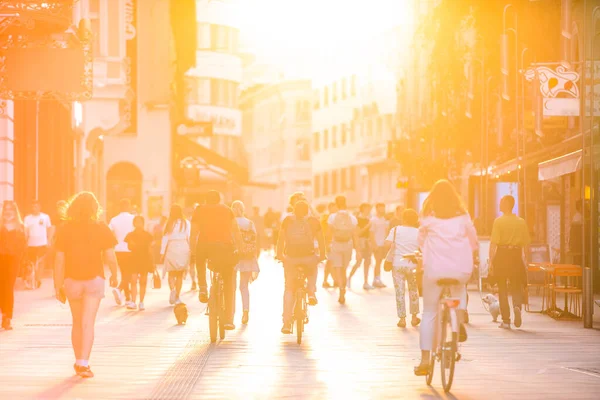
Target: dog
{"x": 493, "y": 305}
{"x": 181, "y": 313}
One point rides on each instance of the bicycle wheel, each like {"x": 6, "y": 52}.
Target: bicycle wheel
{"x": 299, "y": 319}
{"x": 213, "y": 313}
{"x": 449, "y": 346}
{"x": 221, "y": 312}
{"x": 429, "y": 376}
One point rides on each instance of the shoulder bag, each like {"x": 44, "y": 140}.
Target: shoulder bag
{"x": 389, "y": 258}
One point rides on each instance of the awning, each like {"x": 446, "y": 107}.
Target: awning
{"x": 215, "y": 166}
{"x": 559, "y": 166}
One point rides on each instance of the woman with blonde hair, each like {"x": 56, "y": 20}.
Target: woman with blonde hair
{"x": 248, "y": 264}
{"x": 175, "y": 250}
{"x": 447, "y": 239}
{"x": 12, "y": 247}
{"x": 83, "y": 246}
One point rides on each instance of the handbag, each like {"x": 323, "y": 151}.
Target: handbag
{"x": 389, "y": 257}
{"x": 156, "y": 281}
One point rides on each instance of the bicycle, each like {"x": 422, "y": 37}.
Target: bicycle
{"x": 300, "y": 303}
{"x": 216, "y": 307}
{"x": 446, "y": 350}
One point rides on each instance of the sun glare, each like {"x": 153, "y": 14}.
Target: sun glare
{"x": 316, "y": 36}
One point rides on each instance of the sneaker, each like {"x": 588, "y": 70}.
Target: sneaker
{"x": 462, "y": 334}
{"x": 178, "y": 301}
{"x": 504, "y": 325}
{"x": 172, "y": 297}
{"x": 131, "y": 305}
{"x": 518, "y": 318}
{"x": 378, "y": 284}
{"x": 401, "y": 323}
{"x": 415, "y": 320}
{"x": 84, "y": 372}
{"x": 312, "y": 300}
{"x": 141, "y": 307}
{"x": 229, "y": 327}
{"x": 287, "y": 329}
{"x": 118, "y": 295}
{"x": 245, "y": 318}
{"x": 366, "y": 286}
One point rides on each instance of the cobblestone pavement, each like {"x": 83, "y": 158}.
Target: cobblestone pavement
{"x": 353, "y": 351}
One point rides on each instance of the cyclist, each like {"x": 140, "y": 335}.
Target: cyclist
{"x": 295, "y": 247}
{"x": 218, "y": 240}
{"x": 344, "y": 239}
{"x": 448, "y": 240}
{"x": 37, "y": 230}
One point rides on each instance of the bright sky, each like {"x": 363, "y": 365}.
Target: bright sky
{"x": 309, "y": 34}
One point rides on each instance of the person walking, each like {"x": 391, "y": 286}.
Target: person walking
{"x": 364, "y": 252}
{"x": 248, "y": 264}
{"x": 380, "y": 228}
{"x": 175, "y": 250}
{"x": 38, "y": 229}
{"x": 83, "y": 246}
{"x": 509, "y": 238}
{"x": 121, "y": 225}
{"x": 344, "y": 239}
{"x": 331, "y": 208}
{"x": 448, "y": 240}
{"x": 402, "y": 240}
{"x": 139, "y": 243}
{"x": 12, "y": 247}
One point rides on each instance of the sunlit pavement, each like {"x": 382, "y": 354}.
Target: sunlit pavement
{"x": 349, "y": 352}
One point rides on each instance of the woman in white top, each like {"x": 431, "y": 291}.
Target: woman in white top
{"x": 404, "y": 239}
{"x": 248, "y": 264}
{"x": 448, "y": 240}
{"x": 175, "y": 250}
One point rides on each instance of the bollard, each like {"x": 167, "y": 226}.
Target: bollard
{"x": 588, "y": 298}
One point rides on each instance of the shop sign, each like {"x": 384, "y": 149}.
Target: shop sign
{"x": 554, "y": 83}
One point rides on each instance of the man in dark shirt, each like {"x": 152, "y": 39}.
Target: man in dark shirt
{"x": 217, "y": 237}
{"x": 397, "y": 217}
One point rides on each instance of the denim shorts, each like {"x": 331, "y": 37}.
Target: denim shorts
{"x": 77, "y": 290}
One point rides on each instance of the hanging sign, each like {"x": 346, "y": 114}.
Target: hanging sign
{"x": 559, "y": 90}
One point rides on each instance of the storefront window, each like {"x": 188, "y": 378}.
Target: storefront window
{"x": 220, "y": 38}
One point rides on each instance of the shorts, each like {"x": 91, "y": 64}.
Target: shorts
{"x": 364, "y": 248}
{"x": 125, "y": 261}
{"x": 380, "y": 253}
{"x": 35, "y": 253}
{"x": 77, "y": 290}
{"x": 340, "y": 254}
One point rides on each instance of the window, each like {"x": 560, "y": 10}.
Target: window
{"x": 334, "y": 137}
{"x": 344, "y": 176}
{"x": 344, "y": 136}
{"x": 316, "y": 99}
{"x": 353, "y": 131}
{"x": 325, "y": 96}
{"x": 316, "y": 144}
{"x": 353, "y": 85}
{"x": 379, "y": 131}
{"x": 212, "y": 37}
{"x": 344, "y": 88}
{"x": 303, "y": 149}
{"x": 334, "y": 182}
{"x": 223, "y": 93}
{"x": 325, "y": 139}
{"x": 317, "y": 185}
{"x": 203, "y": 36}
{"x": 334, "y": 94}
{"x": 94, "y": 16}
{"x": 352, "y": 178}
{"x": 325, "y": 184}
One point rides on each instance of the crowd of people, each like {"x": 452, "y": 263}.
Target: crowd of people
{"x": 221, "y": 238}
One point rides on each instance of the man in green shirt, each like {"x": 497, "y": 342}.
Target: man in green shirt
{"x": 510, "y": 236}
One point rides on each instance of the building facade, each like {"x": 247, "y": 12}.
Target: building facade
{"x": 277, "y": 134}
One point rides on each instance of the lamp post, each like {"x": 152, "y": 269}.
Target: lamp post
{"x": 469, "y": 115}
{"x": 523, "y": 146}
{"x": 505, "y": 69}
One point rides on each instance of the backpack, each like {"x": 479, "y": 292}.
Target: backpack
{"x": 249, "y": 238}
{"x": 342, "y": 228}
{"x": 299, "y": 238}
